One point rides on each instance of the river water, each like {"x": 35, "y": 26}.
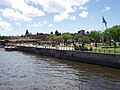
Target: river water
{"x": 25, "y": 71}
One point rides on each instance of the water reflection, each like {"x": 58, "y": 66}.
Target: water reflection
{"x": 25, "y": 71}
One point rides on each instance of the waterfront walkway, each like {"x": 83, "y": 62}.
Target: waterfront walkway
{"x": 95, "y": 50}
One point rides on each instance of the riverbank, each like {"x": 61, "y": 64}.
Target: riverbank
{"x": 110, "y": 60}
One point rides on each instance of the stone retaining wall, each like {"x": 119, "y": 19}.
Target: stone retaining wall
{"x": 111, "y": 60}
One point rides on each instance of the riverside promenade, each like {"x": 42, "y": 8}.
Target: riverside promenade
{"x": 68, "y": 53}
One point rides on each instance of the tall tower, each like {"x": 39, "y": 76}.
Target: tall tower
{"x": 27, "y": 33}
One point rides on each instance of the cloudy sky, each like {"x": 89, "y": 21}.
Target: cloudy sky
{"x": 63, "y": 15}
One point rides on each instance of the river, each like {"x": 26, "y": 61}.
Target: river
{"x": 26, "y": 71}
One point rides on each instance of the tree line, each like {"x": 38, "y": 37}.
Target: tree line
{"x": 5, "y": 37}
{"x": 109, "y": 36}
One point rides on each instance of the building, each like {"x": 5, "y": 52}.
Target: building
{"x": 80, "y": 33}
{"x": 40, "y": 37}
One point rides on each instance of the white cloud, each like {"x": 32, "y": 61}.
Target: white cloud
{"x": 60, "y": 7}
{"x": 14, "y": 15}
{"x": 62, "y": 16}
{"x": 72, "y": 17}
{"x": 84, "y": 14}
{"x": 0, "y": 19}
{"x": 50, "y": 25}
{"x": 107, "y": 9}
{"x": 82, "y": 8}
{"x": 45, "y": 22}
{"x": 35, "y": 24}
{"x": 23, "y": 7}
{"x": 39, "y": 24}
{"x": 18, "y": 24}
{"x": 5, "y": 25}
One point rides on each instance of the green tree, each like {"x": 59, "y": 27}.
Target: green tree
{"x": 52, "y": 35}
{"x": 108, "y": 34}
{"x": 57, "y": 33}
{"x": 83, "y": 40}
{"x": 66, "y": 36}
{"x": 112, "y": 33}
{"x": 116, "y": 30}
{"x": 95, "y": 36}
{"x": 5, "y": 37}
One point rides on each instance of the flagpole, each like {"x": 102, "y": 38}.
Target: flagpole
{"x": 102, "y": 25}
{"x": 102, "y": 28}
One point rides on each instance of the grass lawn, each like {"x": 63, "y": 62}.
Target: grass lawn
{"x": 100, "y": 49}
{"x": 104, "y": 49}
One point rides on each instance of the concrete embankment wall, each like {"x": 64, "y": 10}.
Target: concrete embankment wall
{"x": 111, "y": 60}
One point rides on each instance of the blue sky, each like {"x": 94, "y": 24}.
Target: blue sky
{"x": 63, "y": 15}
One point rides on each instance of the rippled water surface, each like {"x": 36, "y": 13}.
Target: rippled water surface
{"x": 25, "y": 71}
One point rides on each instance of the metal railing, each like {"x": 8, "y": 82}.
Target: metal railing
{"x": 109, "y": 51}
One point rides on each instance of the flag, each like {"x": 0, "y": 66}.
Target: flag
{"x": 104, "y": 21}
